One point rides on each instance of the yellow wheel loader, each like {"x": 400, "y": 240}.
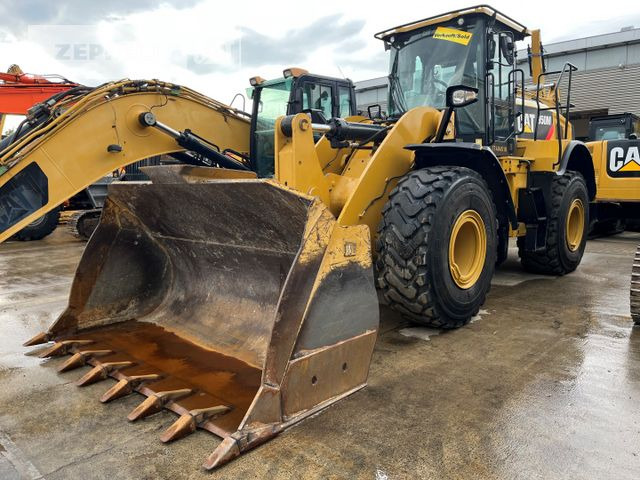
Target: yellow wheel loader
{"x": 245, "y": 305}
{"x": 616, "y": 159}
{"x": 79, "y": 136}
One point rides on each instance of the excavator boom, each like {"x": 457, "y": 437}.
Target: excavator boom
{"x": 49, "y": 159}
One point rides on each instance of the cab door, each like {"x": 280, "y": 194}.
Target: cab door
{"x": 346, "y": 101}
{"x": 319, "y": 98}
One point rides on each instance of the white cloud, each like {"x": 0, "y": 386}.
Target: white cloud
{"x": 165, "y": 40}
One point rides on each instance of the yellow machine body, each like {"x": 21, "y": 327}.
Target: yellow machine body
{"x": 245, "y": 305}
{"x": 617, "y": 167}
{"x": 67, "y": 163}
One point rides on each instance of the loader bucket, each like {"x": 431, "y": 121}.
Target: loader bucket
{"x": 238, "y": 304}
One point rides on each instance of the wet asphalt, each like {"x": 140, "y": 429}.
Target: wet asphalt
{"x": 543, "y": 384}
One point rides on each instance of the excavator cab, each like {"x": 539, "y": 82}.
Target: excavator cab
{"x": 297, "y": 91}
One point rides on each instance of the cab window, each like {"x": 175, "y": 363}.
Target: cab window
{"x": 344, "y": 101}
{"x": 318, "y": 97}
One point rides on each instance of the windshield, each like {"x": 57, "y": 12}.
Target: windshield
{"x": 611, "y": 132}
{"x": 273, "y": 101}
{"x": 424, "y": 64}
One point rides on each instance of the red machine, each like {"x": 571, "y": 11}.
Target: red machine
{"x": 20, "y": 91}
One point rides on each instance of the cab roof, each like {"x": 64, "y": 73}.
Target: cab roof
{"x": 487, "y": 10}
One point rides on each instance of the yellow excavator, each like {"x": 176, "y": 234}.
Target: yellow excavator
{"x": 79, "y": 136}
{"x": 246, "y": 304}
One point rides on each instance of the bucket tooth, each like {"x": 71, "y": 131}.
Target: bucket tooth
{"x": 188, "y": 422}
{"x": 80, "y": 358}
{"x": 100, "y": 372}
{"x": 42, "y": 337}
{"x": 182, "y": 427}
{"x": 126, "y": 386}
{"x": 156, "y": 402}
{"x": 62, "y": 348}
{"x": 224, "y": 453}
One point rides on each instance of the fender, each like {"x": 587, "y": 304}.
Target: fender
{"x": 475, "y": 157}
{"x": 576, "y": 157}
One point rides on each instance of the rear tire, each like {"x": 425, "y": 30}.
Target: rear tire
{"x": 434, "y": 214}
{"x": 566, "y": 231}
{"x": 41, "y": 227}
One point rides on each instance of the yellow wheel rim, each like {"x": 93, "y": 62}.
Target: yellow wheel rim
{"x": 467, "y": 249}
{"x": 575, "y": 225}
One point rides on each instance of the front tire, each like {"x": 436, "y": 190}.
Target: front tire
{"x": 41, "y": 227}
{"x": 436, "y": 246}
{"x": 567, "y": 229}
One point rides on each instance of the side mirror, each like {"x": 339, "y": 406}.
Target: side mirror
{"x": 507, "y": 48}
{"x": 459, "y": 96}
{"x": 374, "y": 111}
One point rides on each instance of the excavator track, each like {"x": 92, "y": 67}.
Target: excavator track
{"x": 81, "y": 224}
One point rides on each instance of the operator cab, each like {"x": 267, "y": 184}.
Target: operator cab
{"x": 297, "y": 91}
{"x": 614, "y": 127}
{"x": 474, "y": 48}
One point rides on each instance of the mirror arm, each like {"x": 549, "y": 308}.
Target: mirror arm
{"x": 444, "y": 121}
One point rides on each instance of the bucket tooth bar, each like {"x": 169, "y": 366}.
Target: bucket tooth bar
{"x": 80, "y": 359}
{"x": 101, "y": 371}
{"x": 127, "y": 385}
{"x": 63, "y": 347}
{"x": 155, "y": 402}
{"x": 39, "y": 339}
{"x": 188, "y": 422}
{"x": 242, "y": 306}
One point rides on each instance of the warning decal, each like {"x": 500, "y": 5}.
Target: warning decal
{"x": 453, "y": 35}
{"x": 623, "y": 158}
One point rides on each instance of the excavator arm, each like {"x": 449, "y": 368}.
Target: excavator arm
{"x": 88, "y": 135}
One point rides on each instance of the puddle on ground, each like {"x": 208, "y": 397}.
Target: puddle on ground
{"x": 423, "y": 333}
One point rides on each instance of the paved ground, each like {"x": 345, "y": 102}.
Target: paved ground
{"x": 545, "y": 384}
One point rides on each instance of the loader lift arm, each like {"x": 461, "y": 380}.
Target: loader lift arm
{"x": 49, "y": 160}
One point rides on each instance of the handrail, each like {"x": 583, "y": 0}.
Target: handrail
{"x": 567, "y": 67}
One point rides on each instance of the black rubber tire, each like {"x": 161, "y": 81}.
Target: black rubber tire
{"x": 556, "y": 258}
{"x": 40, "y": 228}
{"x": 503, "y": 246}
{"x": 412, "y": 262}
